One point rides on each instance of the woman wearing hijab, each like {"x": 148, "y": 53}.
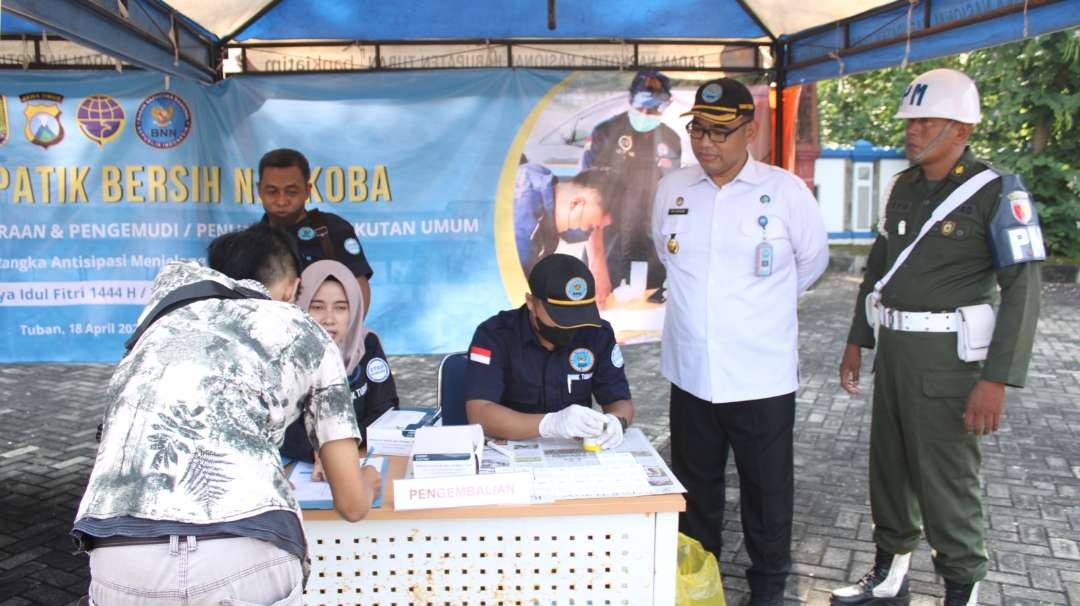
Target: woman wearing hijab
{"x": 330, "y": 295}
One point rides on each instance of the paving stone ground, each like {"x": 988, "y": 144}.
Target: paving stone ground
{"x": 1031, "y": 467}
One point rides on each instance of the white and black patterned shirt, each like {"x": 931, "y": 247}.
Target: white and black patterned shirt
{"x": 196, "y": 412}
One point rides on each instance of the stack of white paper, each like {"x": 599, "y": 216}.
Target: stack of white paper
{"x": 447, "y": 451}
{"x": 394, "y": 431}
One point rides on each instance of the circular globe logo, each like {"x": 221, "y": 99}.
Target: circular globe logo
{"x": 163, "y": 120}
{"x": 100, "y": 118}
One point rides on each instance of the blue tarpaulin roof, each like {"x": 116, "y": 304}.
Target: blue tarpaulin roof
{"x": 809, "y": 41}
{"x": 440, "y": 19}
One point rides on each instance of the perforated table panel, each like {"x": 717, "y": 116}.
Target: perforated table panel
{"x": 624, "y": 560}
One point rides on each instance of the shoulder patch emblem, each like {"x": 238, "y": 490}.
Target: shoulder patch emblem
{"x": 616, "y": 356}
{"x": 378, "y": 370}
{"x": 352, "y": 246}
{"x": 1020, "y": 204}
{"x": 480, "y": 355}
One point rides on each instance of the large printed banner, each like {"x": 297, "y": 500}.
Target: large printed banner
{"x": 104, "y": 177}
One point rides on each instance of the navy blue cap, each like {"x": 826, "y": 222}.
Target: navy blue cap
{"x": 566, "y": 288}
{"x": 650, "y": 90}
{"x": 722, "y": 101}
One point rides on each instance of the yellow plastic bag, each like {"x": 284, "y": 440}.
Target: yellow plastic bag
{"x": 698, "y": 583}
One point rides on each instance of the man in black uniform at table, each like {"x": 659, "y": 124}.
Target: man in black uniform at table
{"x": 535, "y": 370}
{"x": 284, "y": 187}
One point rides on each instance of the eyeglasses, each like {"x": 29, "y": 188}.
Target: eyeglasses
{"x": 716, "y": 135}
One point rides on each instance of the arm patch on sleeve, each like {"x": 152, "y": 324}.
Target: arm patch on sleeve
{"x": 1015, "y": 234}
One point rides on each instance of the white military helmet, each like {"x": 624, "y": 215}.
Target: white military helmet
{"x": 941, "y": 93}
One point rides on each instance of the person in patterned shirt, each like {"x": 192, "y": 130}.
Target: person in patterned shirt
{"x": 187, "y": 501}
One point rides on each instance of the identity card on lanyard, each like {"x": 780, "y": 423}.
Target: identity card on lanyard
{"x": 763, "y": 257}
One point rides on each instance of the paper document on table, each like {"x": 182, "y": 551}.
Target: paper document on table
{"x": 568, "y": 454}
{"x": 316, "y": 495}
{"x": 591, "y": 482}
{"x": 521, "y": 452}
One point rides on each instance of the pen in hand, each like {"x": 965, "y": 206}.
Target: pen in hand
{"x": 370, "y": 452}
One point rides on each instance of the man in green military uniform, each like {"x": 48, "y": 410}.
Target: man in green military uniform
{"x": 943, "y": 361}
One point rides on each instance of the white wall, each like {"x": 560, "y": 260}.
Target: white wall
{"x": 836, "y": 183}
{"x": 887, "y": 169}
{"x": 831, "y": 187}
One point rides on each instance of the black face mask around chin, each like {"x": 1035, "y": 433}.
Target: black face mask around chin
{"x": 559, "y": 337}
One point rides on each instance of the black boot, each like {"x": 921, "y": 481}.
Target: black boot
{"x": 961, "y": 594}
{"x": 885, "y": 584}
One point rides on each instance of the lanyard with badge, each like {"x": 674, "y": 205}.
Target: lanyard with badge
{"x": 763, "y": 255}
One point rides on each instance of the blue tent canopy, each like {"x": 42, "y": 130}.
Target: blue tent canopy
{"x": 437, "y": 19}
{"x": 800, "y": 42}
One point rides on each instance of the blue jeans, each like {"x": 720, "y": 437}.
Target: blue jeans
{"x": 186, "y": 572}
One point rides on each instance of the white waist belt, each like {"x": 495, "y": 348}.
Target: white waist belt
{"x": 918, "y": 321}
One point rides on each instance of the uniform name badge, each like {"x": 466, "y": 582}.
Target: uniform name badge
{"x": 763, "y": 255}
{"x": 763, "y": 259}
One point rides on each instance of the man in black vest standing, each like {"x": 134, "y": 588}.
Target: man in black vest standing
{"x": 284, "y": 187}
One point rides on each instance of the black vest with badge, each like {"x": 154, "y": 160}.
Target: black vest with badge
{"x": 1014, "y": 233}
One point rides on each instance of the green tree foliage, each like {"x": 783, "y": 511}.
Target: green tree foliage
{"x": 1031, "y": 119}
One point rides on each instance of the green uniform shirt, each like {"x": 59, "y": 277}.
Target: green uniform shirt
{"x": 952, "y": 266}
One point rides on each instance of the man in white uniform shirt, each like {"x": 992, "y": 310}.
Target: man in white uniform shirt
{"x": 740, "y": 240}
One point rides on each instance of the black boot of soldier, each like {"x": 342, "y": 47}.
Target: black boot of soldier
{"x": 886, "y": 584}
{"x": 961, "y": 594}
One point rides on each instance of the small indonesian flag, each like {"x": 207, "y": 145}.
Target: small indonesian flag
{"x": 479, "y": 354}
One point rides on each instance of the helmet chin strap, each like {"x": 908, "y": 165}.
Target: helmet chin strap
{"x": 933, "y": 143}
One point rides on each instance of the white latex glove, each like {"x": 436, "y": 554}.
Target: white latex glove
{"x": 612, "y": 435}
{"x": 574, "y": 421}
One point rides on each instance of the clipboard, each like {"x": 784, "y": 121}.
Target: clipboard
{"x": 317, "y": 495}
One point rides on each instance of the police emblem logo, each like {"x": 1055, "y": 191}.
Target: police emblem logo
{"x": 625, "y": 143}
{"x": 576, "y": 289}
{"x": 163, "y": 120}
{"x": 947, "y": 228}
{"x": 679, "y": 201}
{"x": 673, "y": 245}
{"x": 581, "y": 359}
{"x": 959, "y": 169}
{"x": 305, "y": 233}
{"x": 377, "y": 370}
{"x": 352, "y": 246}
{"x": 712, "y": 93}
{"x": 616, "y": 356}
{"x": 4, "y": 130}
{"x": 1021, "y": 207}
{"x": 42, "y": 111}
{"x": 100, "y": 119}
